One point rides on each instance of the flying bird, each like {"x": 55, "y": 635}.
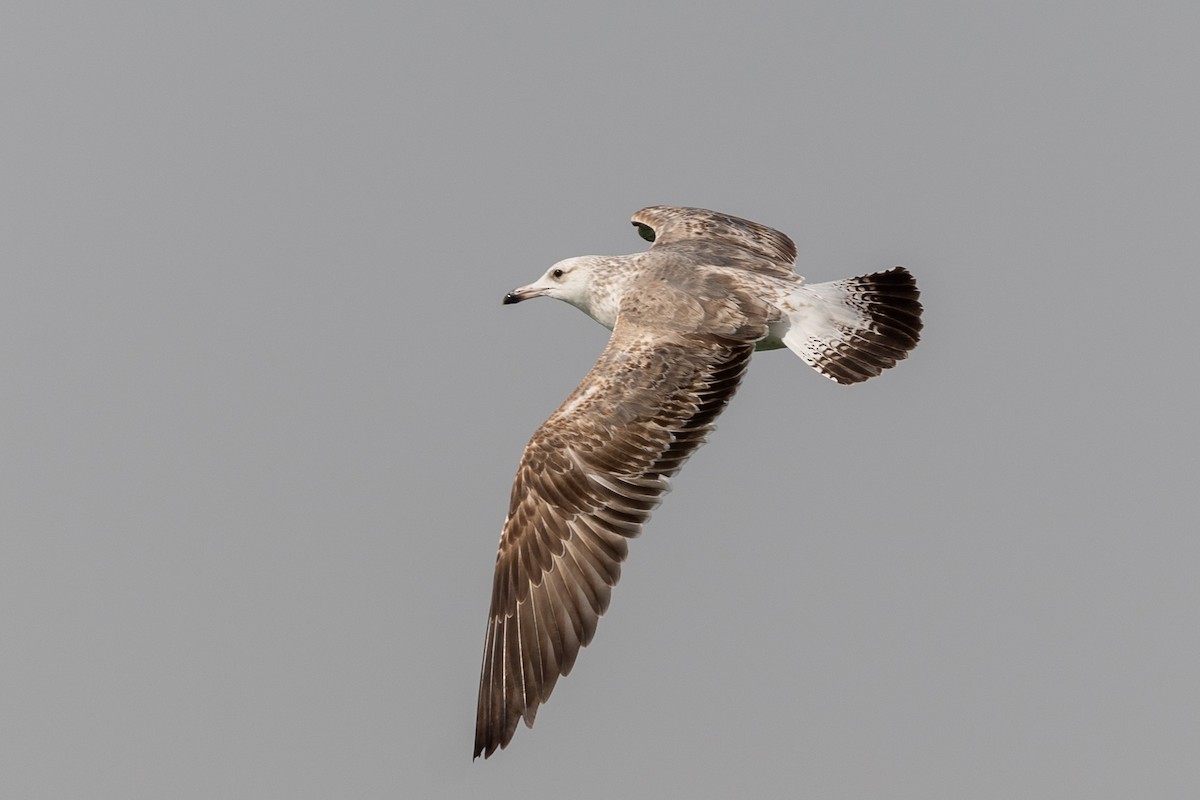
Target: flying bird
{"x": 685, "y": 317}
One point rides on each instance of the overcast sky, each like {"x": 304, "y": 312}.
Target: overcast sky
{"x": 262, "y": 405}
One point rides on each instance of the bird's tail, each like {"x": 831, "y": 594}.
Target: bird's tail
{"x": 853, "y": 329}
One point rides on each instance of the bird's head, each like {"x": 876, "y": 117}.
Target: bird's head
{"x": 569, "y": 281}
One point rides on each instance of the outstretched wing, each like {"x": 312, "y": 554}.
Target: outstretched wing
{"x": 707, "y": 233}
{"x": 587, "y": 482}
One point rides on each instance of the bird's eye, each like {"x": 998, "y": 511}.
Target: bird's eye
{"x": 558, "y": 273}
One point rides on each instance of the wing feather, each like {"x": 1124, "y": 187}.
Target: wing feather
{"x": 717, "y": 239}
{"x": 587, "y": 482}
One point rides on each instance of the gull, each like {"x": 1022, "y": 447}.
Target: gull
{"x": 685, "y": 317}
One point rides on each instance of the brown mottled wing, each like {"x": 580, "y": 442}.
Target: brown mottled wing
{"x": 589, "y": 479}
{"x": 707, "y": 234}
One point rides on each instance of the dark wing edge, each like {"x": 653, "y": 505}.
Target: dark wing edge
{"x": 674, "y": 226}
{"x": 588, "y": 480}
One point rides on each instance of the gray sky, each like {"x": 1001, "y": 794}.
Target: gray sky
{"x": 262, "y": 405}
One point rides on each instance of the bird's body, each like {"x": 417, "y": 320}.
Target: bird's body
{"x": 686, "y": 317}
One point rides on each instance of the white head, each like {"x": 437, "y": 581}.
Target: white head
{"x": 570, "y": 280}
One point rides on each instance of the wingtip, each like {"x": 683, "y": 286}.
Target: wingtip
{"x": 483, "y": 748}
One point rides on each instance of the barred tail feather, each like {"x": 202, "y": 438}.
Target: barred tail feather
{"x": 853, "y": 329}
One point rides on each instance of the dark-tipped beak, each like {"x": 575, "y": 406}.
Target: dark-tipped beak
{"x": 524, "y": 293}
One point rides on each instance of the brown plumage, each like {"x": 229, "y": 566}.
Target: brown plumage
{"x": 686, "y": 317}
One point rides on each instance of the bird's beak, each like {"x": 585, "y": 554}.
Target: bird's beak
{"x": 524, "y": 293}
